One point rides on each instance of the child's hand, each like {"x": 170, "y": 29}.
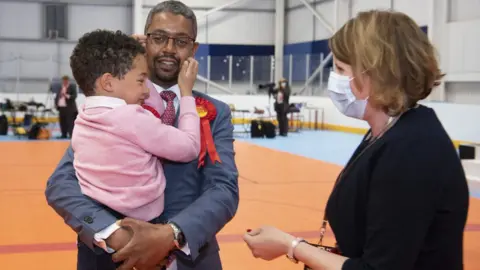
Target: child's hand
{"x": 119, "y": 238}
{"x": 187, "y": 76}
{"x": 141, "y": 38}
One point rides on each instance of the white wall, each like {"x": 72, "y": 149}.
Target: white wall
{"x": 301, "y": 24}
{"x": 454, "y": 30}
{"x": 299, "y": 17}
{"x": 453, "y": 26}
{"x": 463, "y": 10}
{"x": 104, "y": 17}
{"x": 246, "y": 22}
{"x": 21, "y": 35}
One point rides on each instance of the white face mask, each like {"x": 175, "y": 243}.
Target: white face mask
{"x": 342, "y": 96}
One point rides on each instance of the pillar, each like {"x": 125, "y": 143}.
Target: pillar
{"x": 137, "y": 13}
{"x": 438, "y": 35}
{"x": 279, "y": 38}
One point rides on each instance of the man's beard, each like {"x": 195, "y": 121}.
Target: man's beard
{"x": 167, "y": 78}
{"x": 166, "y": 69}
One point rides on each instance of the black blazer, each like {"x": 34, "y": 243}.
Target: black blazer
{"x": 71, "y": 102}
{"x": 402, "y": 205}
{"x": 286, "y": 99}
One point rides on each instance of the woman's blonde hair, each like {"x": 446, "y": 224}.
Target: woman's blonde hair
{"x": 394, "y": 52}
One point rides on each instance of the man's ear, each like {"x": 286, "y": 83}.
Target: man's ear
{"x": 195, "y": 48}
{"x": 106, "y": 82}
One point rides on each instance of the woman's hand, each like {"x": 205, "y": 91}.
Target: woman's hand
{"x": 268, "y": 243}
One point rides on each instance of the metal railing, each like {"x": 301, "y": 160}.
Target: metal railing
{"x": 224, "y": 74}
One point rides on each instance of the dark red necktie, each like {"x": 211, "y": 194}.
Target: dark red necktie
{"x": 169, "y": 115}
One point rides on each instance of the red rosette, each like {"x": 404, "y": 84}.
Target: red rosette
{"x": 207, "y": 113}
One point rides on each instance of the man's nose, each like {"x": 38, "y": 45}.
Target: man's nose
{"x": 170, "y": 46}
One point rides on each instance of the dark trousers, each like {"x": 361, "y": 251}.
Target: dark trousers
{"x": 67, "y": 118}
{"x": 87, "y": 259}
{"x": 282, "y": 122}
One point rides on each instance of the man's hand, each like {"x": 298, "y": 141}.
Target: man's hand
{"x": 187, "y": 76}
{"x": 150, "y": 245}
{"x": 141, "y": 38}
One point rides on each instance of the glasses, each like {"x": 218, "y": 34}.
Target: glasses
{"x": 163, "y": 39}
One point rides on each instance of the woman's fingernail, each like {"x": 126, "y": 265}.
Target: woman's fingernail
{"x": 249, "y": 230}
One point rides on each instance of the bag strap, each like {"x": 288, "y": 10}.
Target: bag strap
{"x": 323, "y": 229}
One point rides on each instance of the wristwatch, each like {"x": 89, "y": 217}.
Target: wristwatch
{"x": 178, "y": 236}
{"x": 294, "y": 244}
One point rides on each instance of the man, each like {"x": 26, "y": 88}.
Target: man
{"x": 198, "y": 201}
{"x": 65, "y": 102}
{"x": 281, "y": 105}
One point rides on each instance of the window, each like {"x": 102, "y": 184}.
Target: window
{"x": 55, "y": 15}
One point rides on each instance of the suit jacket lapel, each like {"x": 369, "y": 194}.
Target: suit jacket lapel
{"x": 178, "y": 111}
{"x": 176, "y": 117}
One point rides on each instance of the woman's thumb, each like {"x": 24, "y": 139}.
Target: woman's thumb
{"x": 254, "y": 232}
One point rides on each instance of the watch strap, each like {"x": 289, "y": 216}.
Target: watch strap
{"x": 292, "y": 247}
{"x": 178, "y": 236}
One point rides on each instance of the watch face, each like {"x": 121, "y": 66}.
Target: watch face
{"x": 181, "y": 239}
{"x": 178, "y": 236}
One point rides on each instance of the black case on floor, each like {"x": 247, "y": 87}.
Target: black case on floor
{"x": 466, "y": 152}
{"x": 256, "y": 129}
{"x": 269, "y": 129}
{"x": 262, "y": 129}
{"x": 3, "y": 125}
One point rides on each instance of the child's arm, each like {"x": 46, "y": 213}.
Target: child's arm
{"x": 180, "y": 144}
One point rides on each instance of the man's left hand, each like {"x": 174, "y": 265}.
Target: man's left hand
{"x": 148, "y": 248}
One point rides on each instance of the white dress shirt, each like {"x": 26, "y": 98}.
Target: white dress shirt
{"x": 105, "y": 233}
{"x": 62, "y": 100}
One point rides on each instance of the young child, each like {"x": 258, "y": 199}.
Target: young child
{"x": 117, "y": 143}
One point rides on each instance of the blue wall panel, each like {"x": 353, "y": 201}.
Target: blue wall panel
{"x": 240, "y": 50}
{"x": 201, "y": 57}
{"x": 241, "y": 61}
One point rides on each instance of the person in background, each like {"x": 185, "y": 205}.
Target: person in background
{"x": 281, "y": 105}
{"x": 65, "y": 103}
{"x": 401, "y": 202}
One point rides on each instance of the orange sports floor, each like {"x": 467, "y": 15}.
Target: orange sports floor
{"x": 276, "y": 188}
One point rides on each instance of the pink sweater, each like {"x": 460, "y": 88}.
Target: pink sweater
{"x": 116, "y": 149}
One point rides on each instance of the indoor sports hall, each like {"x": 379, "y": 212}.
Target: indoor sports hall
{"x": 245, "y": 49}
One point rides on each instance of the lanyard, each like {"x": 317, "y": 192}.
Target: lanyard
{"x": 391, "y": 122}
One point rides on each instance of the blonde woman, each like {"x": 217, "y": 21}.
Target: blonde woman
{"x": 401, "y": 202}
